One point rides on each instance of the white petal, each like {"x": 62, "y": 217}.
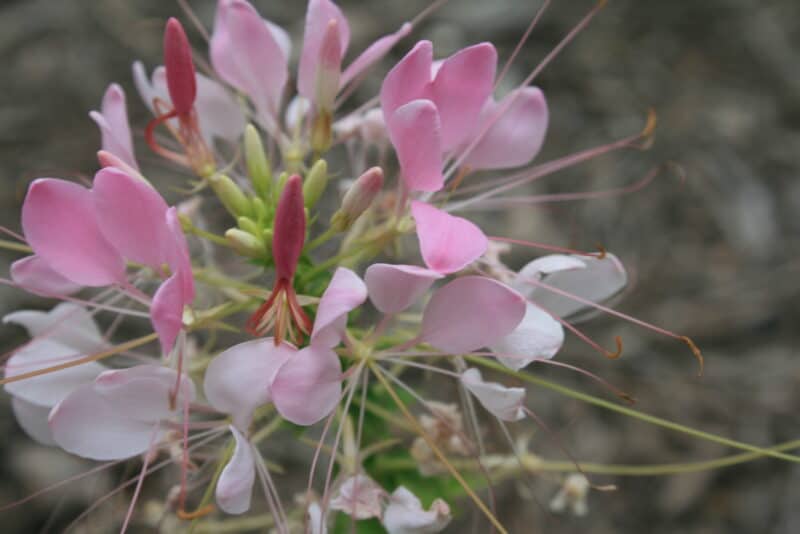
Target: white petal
{"x": 503, "y": 402}
{"x": 33, "y": 420}
{"x": 536, "y": 269}
{"x": 405, "y": 515}
{"x": 67, "y": 323}
{"x": 235, "y": 485}
{"x": 537, "y": 337}
{"x": 360, "y": 497}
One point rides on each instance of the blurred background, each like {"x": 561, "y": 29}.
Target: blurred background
{"x": 713, "y": 257}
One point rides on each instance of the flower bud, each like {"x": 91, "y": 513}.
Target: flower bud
{"x": 315, "y": 183}
{"x": 233, "y": 198}
{"x": 248, "y": 225}
{"x": 329, "y": 67}
{"x": 181, "y": 81}
{"x": 358, "y": 198}
{"x": 289, "y": 228}
{"x": 257, "y": 162}
{"x": 245, "y": 243}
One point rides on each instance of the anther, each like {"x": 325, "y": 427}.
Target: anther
{"x": 618, "y": 352}
{"x": 696, "y": 351}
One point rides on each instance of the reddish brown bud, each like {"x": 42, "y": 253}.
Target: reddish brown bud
{"x": 181, "y": 80}
{"x": 290, "y": 229}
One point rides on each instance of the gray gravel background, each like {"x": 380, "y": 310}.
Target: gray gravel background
{"x": 714, "y": 258}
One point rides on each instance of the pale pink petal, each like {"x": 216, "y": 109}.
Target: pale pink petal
{"x": 462, "y": 84}
{"x": 60, "y": 225}
{"x": 166, "y": 311}
{"x": 281, "y": 37}
{"x": 537, "y": 337}
{"x": 415, "y": 132}
{"x": 85, "y": 424}
{"x": 177, "y": 256}
{"x": 33, "y": 420}
{"x": 145, "y": 87}
{"x": 515, "y": 136}
{"x": 112, "y": 119}
{"x": 235, "y": 484}
{"x": 143, "y": 392}
{"x": 393, "y": 288}
{"x": 308, "y": 386}
{"x": 447, "y": 243}
{"x": 32, "y": 273}
{"x": 219, "y": 114}
{"x": 345, "y": 292}
{"x": 374, "y": 53}
{"x": 405, "y": 515}
{"x": 408, "y": 80}
{"x": 360, "y": 497}
{"x": 598, "y": 281}
{"x": 245, "y": 53}
{"x": 49, "y": 388}
{"x": 68, "y": 323}
{"x": 319, "y": 14}
{"x": 503, "y": 402}
{"x": 238, "y": 380}
{"x": 315, "y": 519}
{"x": 132, "y": 216}
{"x": 470, "y": 313}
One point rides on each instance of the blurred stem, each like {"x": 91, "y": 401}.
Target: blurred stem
{"x": 653, "y": 420}
{"x": 13, "y": 245}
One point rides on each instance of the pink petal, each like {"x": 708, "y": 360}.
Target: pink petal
{"x": 245, "y": 53}
{"x": 235, "y": 484}
{"x": 131, "y": 215}
{"x": 60, "y": 224}
{"x": 143, "y": 392}
{"x": 31, "y": 273}
{"x": 405, "y": 515}
{"x": 537, "y": 337}
{"x": 218, "y": 112}
{"x": 319, "y": 14}
{"x": 114, "y": 127}
{"x": 599, "y": 281}
{"x": 503, "y": 402}
{"x": 33, "y": 420}
{"x": 447, "y": 243}
{"x": 238, "y": 380}
{"x": 415, "y": 132}
{"x": 408, "y": 79}
{"x": 177, "y": 255}
{"x": 308, "y": 386}
{"x": 374, "y": 53}
{"x": 393, "y": 288}
{"x": 345, "y": 292}
{"x": 49, "y": 388}
{"x": 462, "y": 84}
{"x": 85, "y": 424}
{"x": 515, "y": 136}
{"x": 470, "y": 313}
{"x": 360, "y": 497}
{"x": 68, "y": 324}
{"x": 166, "y": 311}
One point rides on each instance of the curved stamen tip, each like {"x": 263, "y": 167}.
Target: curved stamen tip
{"x": 616, "y": 354}
{"x": 601, "y": 251}
{"x": 601, "y": 4}
{"x": 200, "y": 512}
{"x": 650, "y": 125}
{"x": 696, "y": 351}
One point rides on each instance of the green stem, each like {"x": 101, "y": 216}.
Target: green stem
{"x": 13, "y": 245}
{"x": 653, "y": 420}
{"x": 214, "y": 238}
{"x": 325, "y": 236}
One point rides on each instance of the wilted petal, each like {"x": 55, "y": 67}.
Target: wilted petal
{"x": 415, "y": 132}
{"x": 58, "y": 218}
{"x": 49, "y": 388}
{"x": 143, "y": 392}
{"x": 447, "y": 243}
{"x": 537, "y": 337}
{"x": 68, "y": 323}
{"x": 235, "y": 484}
{"x": 33, "y": 420}
{"x": 462, "y": 84}
{"x": 32, "y": 273}
{"x": 374, "y": 53}
{"x": 405, "y": 514}
{"x": 238, "y": 380}
{"x": 319, "y": 14}
{"x": 131, "y": 215}
{"x": 308, "y": 386}
{"x": 115, "y": 130}
{"x": 408, "y": 79}
{"x": 85, "y": 424}
{"x": 503, "y": 402}
{"x": 598, "y": 281}
{"x": 393, "y": 288}
{"x": 515, "y": 136}
{"x": 166, "y": 311}
{"x": 360, "y": 497}
{"x": 345, "y": 292}
{"x": 470, "y": 313}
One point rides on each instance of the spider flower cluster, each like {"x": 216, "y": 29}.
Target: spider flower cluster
{"x": 348, "y": 305}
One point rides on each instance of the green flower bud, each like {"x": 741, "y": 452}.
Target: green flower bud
{"x": 358, "y": 198}
{"x": 257, "y": 162}
{"x": 248, "y": 225}
{"x": 245, "y": 243}
{"x": 315, "y": 183}
{"x": 233, "y": 198}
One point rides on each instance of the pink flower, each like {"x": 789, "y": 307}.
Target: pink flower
{"x": 112, "y": 119}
